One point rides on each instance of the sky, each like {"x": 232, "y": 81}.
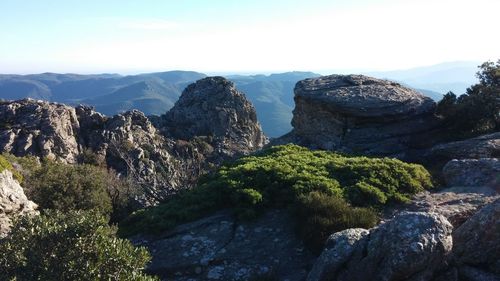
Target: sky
{"x": 125, "y": 36}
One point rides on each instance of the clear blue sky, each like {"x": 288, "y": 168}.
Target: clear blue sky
{"x": 243, "y": 36}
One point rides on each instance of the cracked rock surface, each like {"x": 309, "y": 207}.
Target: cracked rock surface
{"x": 360, "y": 114}
{"x": 412, "y": 246}
{"x": 220, "y": 248}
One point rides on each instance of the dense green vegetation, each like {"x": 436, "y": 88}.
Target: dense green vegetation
{"x": 70, "y": 187}
{"x": 478, "y": 110}
{"x": 73, "y": 245}
{"x": 290, "y": 176}
{"x": 72, "y": 239}
{"x": 58, "y": 186}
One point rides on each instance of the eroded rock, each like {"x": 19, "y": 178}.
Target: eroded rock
{"x": 212, "y": 122}
{"x": 360, "y": 114}
{"x": 219, "y": 248}
{"x": 473, "y": 172}
{"x": 13, "y": 201}
{"x": 39, "y": 128}
{"x": 412, "y": 246}
{"x": 485, "y": 146}
{"x": 457, "y": 204}
{"x": 214, "y": 108}
{"x": 477, "y": 241}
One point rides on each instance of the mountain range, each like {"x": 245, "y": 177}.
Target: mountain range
{"x": 155, "y": 93}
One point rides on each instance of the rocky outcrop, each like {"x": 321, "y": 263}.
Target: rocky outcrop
{"x": 456, "y": 204}
{"x": 130, "y": 144}
{"x": 214, "y": 108}
{"x": 210, "y": 123}
{"x": 470, "y": 185}
{"x": 477, "y": 241}
{"x": 360, "y": 114}
{"x": 412, "y": 246}
{"x": 486, "y": 146}
{"x": 13, "y": 201}
{"x": 39, "y": 128}
{"x": 220, "y": 248}
{"x": 473, "y": 172}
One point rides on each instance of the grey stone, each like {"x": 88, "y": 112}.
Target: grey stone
{"x": 477, "y": 241}
{"x": 457, "y": 204}
{"x": 473, "y": 172}
{"x": 13, "y": 202}
{"x": 219, "y": 248}
{"x": 412, "y": 246}
{"x": 485, "y": 146}
{"x": 214, "y": 107}
{"x": 360, "y": 114}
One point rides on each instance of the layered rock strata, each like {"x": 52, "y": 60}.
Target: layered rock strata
{"x": 360, "y": 114}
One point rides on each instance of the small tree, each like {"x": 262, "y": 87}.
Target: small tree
{"x": 74, "y": 245}
{"x": 478, "y": 110}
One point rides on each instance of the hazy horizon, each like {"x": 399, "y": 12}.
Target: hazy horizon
{"x": 247, "y": 37}
{"x": 264, "y": 72}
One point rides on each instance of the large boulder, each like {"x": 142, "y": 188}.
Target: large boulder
{"x": 214, "y": 108}
{"x": 473, "y": 172}
{"x": 412, "y": 246}
{"x": 13, "y": 201}
{"x": 220, "y": 248}
{"x": 477, "y": 242}
{"x": 360, "y": 114}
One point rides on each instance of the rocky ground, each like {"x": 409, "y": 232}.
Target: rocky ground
{"x": 434, "y": 237}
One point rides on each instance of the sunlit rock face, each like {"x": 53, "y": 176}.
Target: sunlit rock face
{"x": 360, "y": 114}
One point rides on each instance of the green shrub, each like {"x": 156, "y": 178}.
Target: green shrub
{"x": 276, "y": 178}
{"x": 74, "y": 245}
{"x": 69, "y": 187}
{"x": 320, "y": 215}
{"x": 54, "y": 185}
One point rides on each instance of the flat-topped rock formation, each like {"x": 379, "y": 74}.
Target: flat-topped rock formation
{"x": 363, "y": 96}
{"x": 360, "y": 114}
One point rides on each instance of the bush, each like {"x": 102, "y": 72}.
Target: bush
{"x": 277, "y": 178}
{"x": 73, "y": 245}
{"x": 69, "y": 187}
{"x": 320, "y": 215}
{"x": 54, "y": 185}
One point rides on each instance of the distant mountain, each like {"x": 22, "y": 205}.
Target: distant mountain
{"x": 440, "y": 78}
{"x": 272, "y": 97}
{"x": 155, "y": 93}
{"x": 152, "y": 93}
